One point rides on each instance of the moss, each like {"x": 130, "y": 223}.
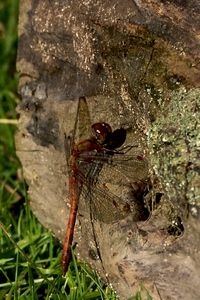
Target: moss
{"x": 175, "y": 147}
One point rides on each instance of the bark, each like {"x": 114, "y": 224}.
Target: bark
{"x": 137, "y": 63}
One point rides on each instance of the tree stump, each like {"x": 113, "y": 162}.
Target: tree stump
{"x": 137, "y": 63}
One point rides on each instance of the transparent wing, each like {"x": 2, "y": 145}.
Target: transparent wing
{"x": 105, "y": 205}
{"x": 84, "y": 121}
{"x": 133, "y": 166}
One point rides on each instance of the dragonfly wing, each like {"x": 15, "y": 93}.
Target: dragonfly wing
{"x": 111, "y": 197}
{"x": 105, "y": 205}
{"x": 84, "y": 122}
{"x": 107, "y": 183}
{"x": 134, "y": 167}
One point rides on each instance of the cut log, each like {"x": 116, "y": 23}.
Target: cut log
{"x": 137, "y": 63}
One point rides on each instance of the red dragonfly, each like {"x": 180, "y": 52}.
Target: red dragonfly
{"x": 86, "y": 159}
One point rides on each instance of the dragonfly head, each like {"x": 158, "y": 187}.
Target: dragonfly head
{"x": 104, "y": 135}
{"x": 101, "y": 132}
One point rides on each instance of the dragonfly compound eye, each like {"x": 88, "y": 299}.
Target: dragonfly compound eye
{"x": 101, "y": 131}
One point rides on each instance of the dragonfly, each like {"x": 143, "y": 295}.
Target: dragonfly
{"x": 86, "y": 159}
